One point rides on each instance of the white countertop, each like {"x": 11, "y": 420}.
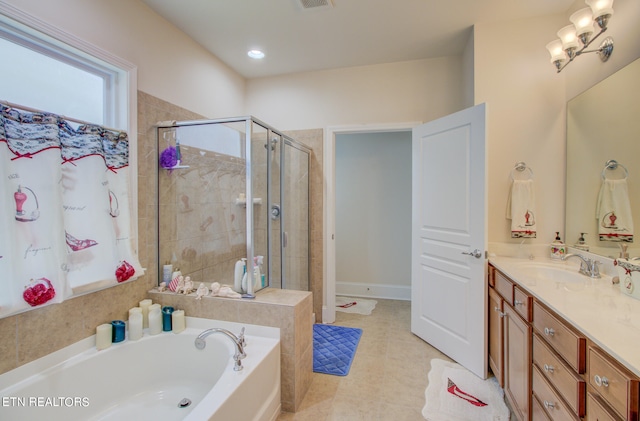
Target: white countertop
{"x": 595, "y": 307}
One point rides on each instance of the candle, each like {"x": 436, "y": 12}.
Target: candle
{"x": 103, "y": 336}
{"x": 117, "y": 331}
{"x": 135, "y": 325}
{"x": 144, "y": 305}
{"x": 178, "y": 321}
{"x": 155, "y": 321}
{"x": 135, "y": 310}
{"x": 166, "y": 318}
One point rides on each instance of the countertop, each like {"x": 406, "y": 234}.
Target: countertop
{"x": 596, "y": 307}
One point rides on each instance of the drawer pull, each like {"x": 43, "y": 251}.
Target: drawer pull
{"x": 548, "y": 368}
{"x": 518, "y": 302}
{"x": 549, "y": 331}
{"x": 501, "y": 314}
{"x": 549, "y": 405}
{"x": 601, "y": 381}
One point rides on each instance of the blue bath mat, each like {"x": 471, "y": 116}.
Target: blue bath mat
{"x": 334, "y": 348}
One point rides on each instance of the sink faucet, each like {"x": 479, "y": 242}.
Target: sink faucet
{"x": 238, "y": 342}
{"x": 588, "y": 267}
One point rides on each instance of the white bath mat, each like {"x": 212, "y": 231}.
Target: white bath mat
{"x": 456, "y": 394}
{"x": 355, "y": 305}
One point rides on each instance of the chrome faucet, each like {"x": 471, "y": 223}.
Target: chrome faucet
{"x": 588, "y": 267}
{"x": 238, "y": 341}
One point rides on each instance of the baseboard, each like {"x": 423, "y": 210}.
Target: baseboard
{"x": 391, "y": 292}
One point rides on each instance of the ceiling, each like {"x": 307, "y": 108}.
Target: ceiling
{"x": 351, "y": 33}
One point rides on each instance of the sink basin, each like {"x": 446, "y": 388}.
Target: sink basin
{"x": 559, "y": 273}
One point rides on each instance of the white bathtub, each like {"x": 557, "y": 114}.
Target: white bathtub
{"x": 146, "y": 379}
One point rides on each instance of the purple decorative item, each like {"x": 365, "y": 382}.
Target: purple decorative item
{"x": 169, "y": 158}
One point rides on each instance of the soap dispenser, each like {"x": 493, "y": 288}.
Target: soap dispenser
{"x": 558, "y": 248}
{"x": 582, "y": 244}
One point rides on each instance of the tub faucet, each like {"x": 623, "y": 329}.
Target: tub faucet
{"x": 588, "y": 267}
{"x": 238, "y": 342}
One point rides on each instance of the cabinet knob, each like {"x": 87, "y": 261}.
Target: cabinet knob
{"x": 549, "y": 405}
{"x": 548, "y": 368}
{"x": 501, "y": 314}
{"x": 518, "y": 302}
{"x": 549, "y": 331}
{"x": 601, "y": 381}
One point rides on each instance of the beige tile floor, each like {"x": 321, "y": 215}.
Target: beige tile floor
{"x": 388, "y": 376}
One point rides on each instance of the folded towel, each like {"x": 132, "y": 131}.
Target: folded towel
{"x": 613, "y": 212}
{"x": 521, "y": 209}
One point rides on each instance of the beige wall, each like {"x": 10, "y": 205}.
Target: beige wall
{"x": 525, "y": 119}
{"x": 526, "y": 106}
{"x": 420, "y": 90}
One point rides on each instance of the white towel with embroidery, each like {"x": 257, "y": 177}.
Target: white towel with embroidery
{"x": 521, "y": 209}
{"x": 613, "y": 212}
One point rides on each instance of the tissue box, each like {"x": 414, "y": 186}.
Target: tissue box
{"x": 629, "y": 274}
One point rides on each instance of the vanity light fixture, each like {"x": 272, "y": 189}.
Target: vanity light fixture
{"x": 574, "y": 39}
{"x": 255, "y": 54}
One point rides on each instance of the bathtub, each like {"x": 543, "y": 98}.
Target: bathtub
{"x": 148, "y": 378}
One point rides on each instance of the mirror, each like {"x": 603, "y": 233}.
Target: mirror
{"x": 603, "y": 123}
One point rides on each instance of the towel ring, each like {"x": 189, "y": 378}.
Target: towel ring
{"x": 612, "y": 164}
{"x": 520, "y": 167}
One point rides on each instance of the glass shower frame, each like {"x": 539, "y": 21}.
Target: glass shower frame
{"x": 276, "y": 194}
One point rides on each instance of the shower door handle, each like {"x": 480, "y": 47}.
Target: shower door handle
{"x": 285, "y": 238}
{"x": 275, "y": 211}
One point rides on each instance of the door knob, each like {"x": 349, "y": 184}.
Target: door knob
{"x": 475, "y": 253}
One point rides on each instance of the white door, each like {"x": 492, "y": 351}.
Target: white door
{"x": 448, "y": 283}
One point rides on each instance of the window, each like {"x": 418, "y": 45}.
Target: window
{"x": 47, "y": 72}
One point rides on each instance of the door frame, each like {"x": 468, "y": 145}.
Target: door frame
{"x": 329, "y": 203}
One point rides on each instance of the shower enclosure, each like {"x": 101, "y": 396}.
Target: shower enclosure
{"x": 232, "y": 189}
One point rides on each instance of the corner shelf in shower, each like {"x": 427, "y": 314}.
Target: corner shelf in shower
{"x": 175, "y": 167}
{"x": 243, "y": 202}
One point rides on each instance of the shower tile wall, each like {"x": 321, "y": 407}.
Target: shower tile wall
{"x": 203, "y": 231}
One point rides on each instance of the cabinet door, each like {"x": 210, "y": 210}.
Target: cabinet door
{"x": 496, "y": 329}
{"x": 517, "y": 363}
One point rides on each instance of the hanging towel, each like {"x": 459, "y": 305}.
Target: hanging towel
{"x": 613, "y": 212}
{"x": 521, "y": 209}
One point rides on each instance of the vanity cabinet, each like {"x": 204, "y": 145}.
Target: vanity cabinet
{"x": 616, "y": 387}
{"x": 548, "y": 368}
{"x": 510, "y": 342}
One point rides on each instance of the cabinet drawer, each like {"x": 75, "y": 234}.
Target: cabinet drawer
{"x": 537, "y": 413}
{"x": 597, "y": 412}
{"x": 563, "y": 340}
{"x": 568, "y": 384}
{"x": 523, "y": 303}
{"x": 504, "y": 287}
{"x": 555, "y": 407}
{"x": 615, "y": 386}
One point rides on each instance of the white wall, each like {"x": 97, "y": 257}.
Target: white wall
{"x": 420, "y": 90}
{"x": 373, "y": 214}
{"x": 170, "y": 65}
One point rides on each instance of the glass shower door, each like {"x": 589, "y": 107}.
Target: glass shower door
{"x": 295, "y": 218}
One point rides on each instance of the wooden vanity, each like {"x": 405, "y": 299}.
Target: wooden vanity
{"x": 551, "y": 368}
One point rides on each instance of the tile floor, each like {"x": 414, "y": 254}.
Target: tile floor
{"x": 388, "y": 376}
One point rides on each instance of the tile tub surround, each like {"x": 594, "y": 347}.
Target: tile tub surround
{"x": 289, "y": 310}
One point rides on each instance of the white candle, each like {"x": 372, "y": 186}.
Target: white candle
{"x": 103, "y": 336}
{"x": 144, "y": 305}
{"x": 155, "y": 321}
{"x": 178, "y": 321}
{"x": 135, "y": 310}
{"x": 135, "y": 325}
{"x": 154, "y": 306}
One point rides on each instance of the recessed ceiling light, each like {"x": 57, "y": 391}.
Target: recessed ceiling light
{"x": 257, "y": 54}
